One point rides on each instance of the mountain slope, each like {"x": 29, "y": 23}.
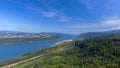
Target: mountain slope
{"x": 99, "y": 34}
{"x": 90, "y": 53}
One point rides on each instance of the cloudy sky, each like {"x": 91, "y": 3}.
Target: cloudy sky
{"x": 63, "y": 16}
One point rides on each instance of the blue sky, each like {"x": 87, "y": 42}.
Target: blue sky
{"x": 62, "y": 16}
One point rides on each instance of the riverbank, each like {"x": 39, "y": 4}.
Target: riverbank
{"x": 12, "y": 51}
{"x": 58, "y": 43}
{"x": 56, "y": 49}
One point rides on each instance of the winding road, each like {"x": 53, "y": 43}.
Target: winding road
{"x": 14, "y": 64}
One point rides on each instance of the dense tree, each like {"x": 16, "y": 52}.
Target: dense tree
{"x": 101, "y": 52}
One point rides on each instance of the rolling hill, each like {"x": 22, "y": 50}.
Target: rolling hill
{"x": 99, "y": 34}
{"x": 13, "y": 37}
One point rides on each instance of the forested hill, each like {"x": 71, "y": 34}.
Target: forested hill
{"x": 12, "y": 37}
{"x": 101, "y": 52}
{"x": 99, "y": 34}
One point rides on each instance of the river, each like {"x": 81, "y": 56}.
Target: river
{"x": 11, "y": 51}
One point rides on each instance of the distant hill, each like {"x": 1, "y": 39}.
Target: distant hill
{"x": 11, "y": 32}
{"x": 99, "y": 34}
{"x": 13, "y": 37}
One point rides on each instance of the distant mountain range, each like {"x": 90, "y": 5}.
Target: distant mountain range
{"x": 11, "y": 32}
{"x": 13, "y": 37}
{"x": 22, "y": 33}
{"x": 99, "y": 34}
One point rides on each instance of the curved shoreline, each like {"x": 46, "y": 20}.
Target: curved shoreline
{"x": 19, "y": 62}
{"x": 61, "y": 42}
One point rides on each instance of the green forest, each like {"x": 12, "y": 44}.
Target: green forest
{"x": 99, "y": 52}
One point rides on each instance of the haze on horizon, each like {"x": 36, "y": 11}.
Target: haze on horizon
{"x": 62, "y": 16}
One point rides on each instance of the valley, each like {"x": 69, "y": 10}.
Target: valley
{"x": 100, "y": 52}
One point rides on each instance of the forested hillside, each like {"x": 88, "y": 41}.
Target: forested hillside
{"x": 101, "y": 52}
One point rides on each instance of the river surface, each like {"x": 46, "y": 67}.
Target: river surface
{"x": 11, "y": 51}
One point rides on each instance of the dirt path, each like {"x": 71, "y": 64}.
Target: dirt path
{"x": 14, "y": 64}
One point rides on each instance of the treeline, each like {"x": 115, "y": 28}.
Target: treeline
{"x": 99, "y": 52}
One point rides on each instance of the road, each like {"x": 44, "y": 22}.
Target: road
{"x": 14, "y": 64}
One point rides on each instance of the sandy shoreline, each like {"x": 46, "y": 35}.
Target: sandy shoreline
{"x": 61, "y": 42}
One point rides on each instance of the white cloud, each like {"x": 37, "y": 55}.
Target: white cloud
{"x": 117, "y": 27}
{"x": 83, "y": 26}
{"x": 87, "y": 3}
{"x": 110, "y": 17}
{"x": 114, "y": 22}
{"x": 64, "y": 19}
{"x": 108, "y": 24}
{"x": 50, "y": 12}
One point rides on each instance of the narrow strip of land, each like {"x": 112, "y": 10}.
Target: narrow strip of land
{"x": 58, "y": 43}
{"x": 14, "y": 64}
